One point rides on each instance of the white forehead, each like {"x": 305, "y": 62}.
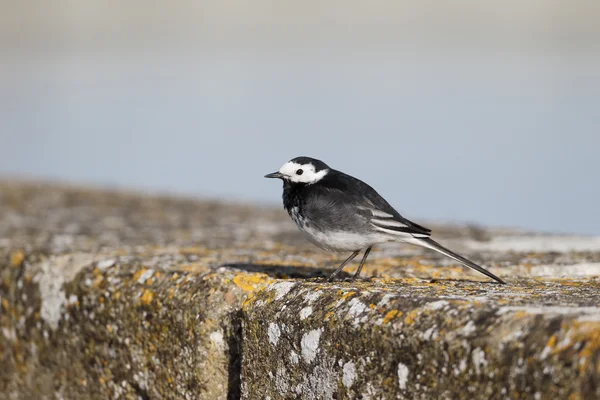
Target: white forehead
{"x": 309, "y": 175}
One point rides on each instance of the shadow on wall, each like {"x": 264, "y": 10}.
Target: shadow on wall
{"x": 287, "y": 271}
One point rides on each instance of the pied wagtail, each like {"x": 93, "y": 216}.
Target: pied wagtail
{"x": 340, "y": 213}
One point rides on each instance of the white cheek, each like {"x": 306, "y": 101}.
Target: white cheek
{"x": 309, "y": 177}
{"x": 306, "y": 177}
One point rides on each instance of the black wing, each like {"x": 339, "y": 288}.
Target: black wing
{"x": 371, "y": 204}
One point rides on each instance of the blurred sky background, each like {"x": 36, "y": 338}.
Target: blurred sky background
{"x": 467, "y": 111}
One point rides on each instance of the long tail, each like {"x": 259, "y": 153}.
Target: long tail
{"x": 432, "y": 244}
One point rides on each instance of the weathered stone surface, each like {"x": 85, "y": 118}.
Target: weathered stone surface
{"x": 114, "y": 295}
{"x": 156, "y": 326}
{"x": 418, "y": 339}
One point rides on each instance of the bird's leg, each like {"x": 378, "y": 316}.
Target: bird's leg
{"x": 362, "y": 262}
{"x": 337, "y": 271}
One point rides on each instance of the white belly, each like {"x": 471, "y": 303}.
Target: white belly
{"x": 338, "y": 241}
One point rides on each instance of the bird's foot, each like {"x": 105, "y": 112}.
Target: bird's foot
{"x": 333, "y": 277}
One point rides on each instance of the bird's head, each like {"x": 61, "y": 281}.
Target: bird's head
{"x": 301, "y": 170}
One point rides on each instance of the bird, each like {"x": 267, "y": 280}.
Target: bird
{"x": 340, "y": 213}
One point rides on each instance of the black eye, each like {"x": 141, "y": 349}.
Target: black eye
{"x": 299, "y": 172}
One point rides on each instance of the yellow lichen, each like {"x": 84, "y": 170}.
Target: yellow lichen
{"x": 16, "y": 258}
{"x": 390, "y": 315}
{"x": 98, "y": 281}
{"x": 410, "y": 318}
{"x": 146, "y": 297}
{"x": 138, "y": 273}
{"x": 345, "y": 295}
{"x": 249, "y": 283}
{"x": 248, "y": 300}
{"x": 587, "y": 332}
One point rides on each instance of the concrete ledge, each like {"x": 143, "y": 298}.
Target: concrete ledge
{"x": 126, "y": 327}
{"x": 384, "y": 339}
{"x": 114, "y": 295}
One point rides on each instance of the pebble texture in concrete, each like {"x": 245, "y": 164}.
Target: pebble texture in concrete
{"x": 107, "y": 294}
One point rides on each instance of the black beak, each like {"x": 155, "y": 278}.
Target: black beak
{"x": 274, "y": 175}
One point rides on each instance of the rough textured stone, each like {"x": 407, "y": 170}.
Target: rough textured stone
{"x": 155, "y": 326}
{"x": 386, "y": 338}
{"x": 106, "y": 294}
